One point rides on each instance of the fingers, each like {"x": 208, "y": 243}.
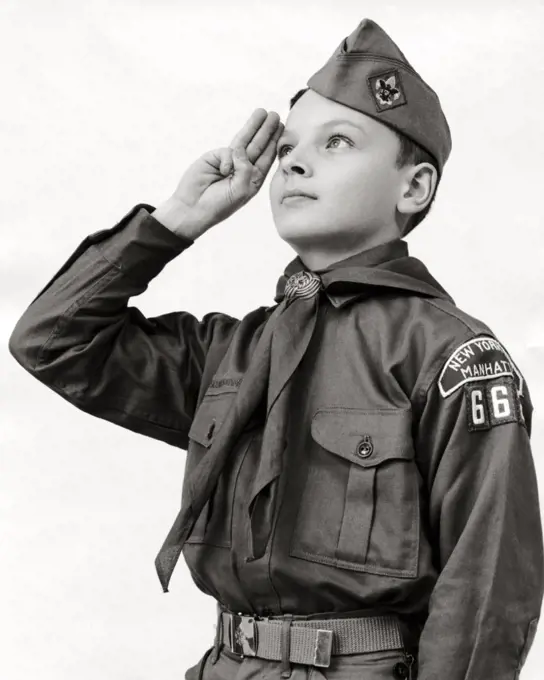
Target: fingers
{"x": 256, "y": 133}
{"x": 265, "y": 160}
{"x": 263, "y": 135}
{"x": 245, "y": 135}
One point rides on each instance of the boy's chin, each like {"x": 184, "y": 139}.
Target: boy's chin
{"x": 299, "y": 231}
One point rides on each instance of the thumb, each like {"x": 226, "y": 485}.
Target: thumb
{"x": 225, "y": 167}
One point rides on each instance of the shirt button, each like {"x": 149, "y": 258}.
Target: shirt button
{"x": 365, "y": 447}
{"x": 401, "y": 670}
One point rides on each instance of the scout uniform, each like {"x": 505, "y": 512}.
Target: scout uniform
{"x": 359, "y": 493}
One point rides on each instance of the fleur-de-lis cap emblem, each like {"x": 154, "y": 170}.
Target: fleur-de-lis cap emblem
{"x": 386, "y": 89}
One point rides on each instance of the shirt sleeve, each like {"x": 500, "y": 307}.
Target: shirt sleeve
{"x": 474, "y": 452}
{"x": 80, "y": 338}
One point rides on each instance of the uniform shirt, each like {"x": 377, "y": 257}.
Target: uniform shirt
{"x": 408, "y": 484}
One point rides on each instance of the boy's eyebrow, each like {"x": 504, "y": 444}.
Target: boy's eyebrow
{"x": 333, "y": 122}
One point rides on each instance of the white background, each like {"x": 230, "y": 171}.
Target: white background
{"x": 104, "y": 106}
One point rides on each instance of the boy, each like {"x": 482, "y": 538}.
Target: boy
{"x": 359, "y": 492}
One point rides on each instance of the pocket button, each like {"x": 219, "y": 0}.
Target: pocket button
{"x": 365, "y": 447}
{"x": 212, "y": 428}
{"x": 401, "y": 670}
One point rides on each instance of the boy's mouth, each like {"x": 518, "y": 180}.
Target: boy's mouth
{"x": 296, "y": 198}
{"x": 291, "y": 194}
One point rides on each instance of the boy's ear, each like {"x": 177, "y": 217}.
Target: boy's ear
{"x": 417, "y": 188}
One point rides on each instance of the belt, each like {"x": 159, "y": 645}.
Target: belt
{"x": 309, "y": 641}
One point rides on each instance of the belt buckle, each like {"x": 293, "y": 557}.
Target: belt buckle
{"x": 243, "y": 635}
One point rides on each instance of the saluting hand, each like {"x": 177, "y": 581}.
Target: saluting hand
{"x": 223, "y": 180}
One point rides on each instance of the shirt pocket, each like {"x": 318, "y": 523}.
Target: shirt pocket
{"x": 359, "y": 509}
{"x": 214, "y": 524}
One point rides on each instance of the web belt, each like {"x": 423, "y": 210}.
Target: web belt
{"x": 306, "y": 641}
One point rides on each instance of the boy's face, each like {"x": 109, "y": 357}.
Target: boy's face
{"x": 350, "y": 168}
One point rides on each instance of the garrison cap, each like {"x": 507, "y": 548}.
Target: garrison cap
{"x": 369, "y": 73}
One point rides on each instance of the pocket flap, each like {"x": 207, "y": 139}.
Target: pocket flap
{"x": 363, "y": 437}
{"x": 209, "y": 416}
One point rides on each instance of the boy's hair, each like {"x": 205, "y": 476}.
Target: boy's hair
{"x": 409, "y": 153}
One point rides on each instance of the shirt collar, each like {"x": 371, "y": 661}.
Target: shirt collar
{"x": 384, "y": 252}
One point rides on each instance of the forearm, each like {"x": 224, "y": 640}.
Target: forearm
{"x": 91, "y": 290}
{"x": 80, "y": 338}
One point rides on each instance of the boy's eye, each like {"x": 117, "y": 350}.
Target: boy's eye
{"x": 345, "y": 139}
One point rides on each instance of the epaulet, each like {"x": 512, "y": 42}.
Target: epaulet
{"x": 474, "y": 325}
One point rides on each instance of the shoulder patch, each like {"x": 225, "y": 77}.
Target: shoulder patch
{"x": 482, "y": 358}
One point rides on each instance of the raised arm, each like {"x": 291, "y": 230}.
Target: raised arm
{"x": 80, "y": 337}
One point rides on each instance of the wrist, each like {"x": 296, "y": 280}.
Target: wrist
{"x": 172, "y": 214}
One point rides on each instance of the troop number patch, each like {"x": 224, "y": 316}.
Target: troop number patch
{"x": 493, "y": 403}
{"x": 480, "y": 359}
